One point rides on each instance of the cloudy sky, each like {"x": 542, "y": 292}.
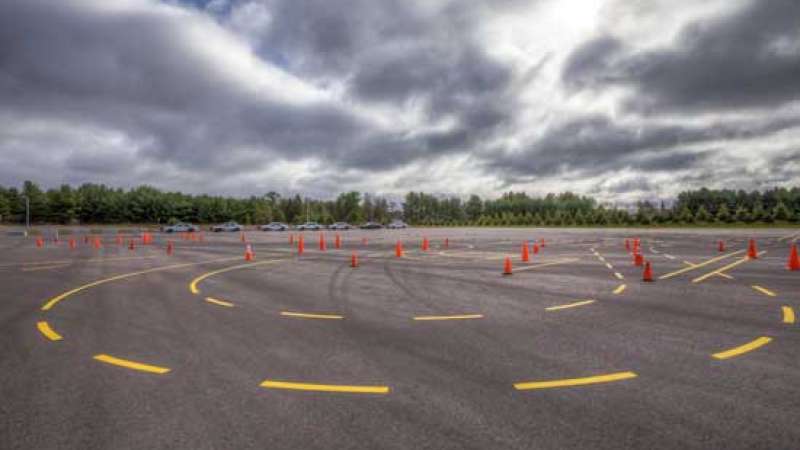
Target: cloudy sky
{"x": 620, "y": 99}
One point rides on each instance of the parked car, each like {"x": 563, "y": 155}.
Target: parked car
{"x": 180, "y": 227}
{"x": 227, "y": 226}
{"x": 309, "y": 226}
{"x": 396, "y": 225}
{"x": 340, "y": 226}
{"x": 371, "y": 226}
{"x": 274, "y": 226}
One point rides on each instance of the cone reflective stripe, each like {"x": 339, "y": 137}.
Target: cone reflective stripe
{"x": 794, "y": 260}
{"x": 338, "y": 241}
{"x": 248, "y": 253}
{"x": 301, "y": 245}
{"x": 525, "y": 255}
{"x": 169, "y": 248}
{"x": 398, "y": 249}
{"x": 507, "y": 270}
{"x": 752, "y": 252}
{"x": 638, "y": 260}
{"x": 354, "y": 260}
{"x": 322, "y": 242}
{"x": 721, "y": 246}
{"x": 648, "y": 272}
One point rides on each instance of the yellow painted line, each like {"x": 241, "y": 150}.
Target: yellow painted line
{"x": 272, "y": 384}
{"x": 219, "y": 302}
{"x": 108, "y": 359}
{"x": 54, "y": 266}
{"x": 725, "y": 275}
{"x": 48, "y": 332}
{"x": 53, "y": 301}
{"x": 610, "y": 267}
{"x": 697, "y": 266}
{"x": 690, "y": 264}
{"x": 723, "y": 269}
{"x": 620, "y": 289}
{"x": 750, "y": 346}
{"x": 555, "y": 263}
{"x": 764, "y": 290}
{"x": 528, "y": 385}
{"x": 311, "y": 316}
{"x": 619, "y": 276}
{"x": 193, "y": 285}
{"x": 569, "y": 305}
{"x": 788, "y": 314}
{"x": 457, "y": 317}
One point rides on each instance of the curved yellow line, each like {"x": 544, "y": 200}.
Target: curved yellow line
{"x": 128, "y": 364}
{"x": 749, "y": 347}
{"x": 528, "y": 385}
{"x": 620, "y": 289}
{"x": 788, "y": 314}
{"x": 193, "y": 284}
{"x": 48, "y": 332}
{"x": 53, "y": 301}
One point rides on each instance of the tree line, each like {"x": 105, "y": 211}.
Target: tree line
{"x": 96, "y": 204}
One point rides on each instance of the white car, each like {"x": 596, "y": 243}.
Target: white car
{"x": 227, "y": 226}
{"x": 274, "y": 226}
{"x": 396, "y": 225}
{"x": 180, "y": 227}
{"x": 309, "y": 226}
{"x": 340, "y": 226}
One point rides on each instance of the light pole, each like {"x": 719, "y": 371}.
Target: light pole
{"x": 27, "y": 212}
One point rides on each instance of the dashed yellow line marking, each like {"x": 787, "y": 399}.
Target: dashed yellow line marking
{"x": 48, "y": 332}
{"x": 53, "y": 301}
{"x": 569, "y": 305}
{"x": 736, "y": 351}
{"x": 788, "y": 314}
{"x": 311, "y": 316}
{"x": 456, "y": 317}
{"x": 620, "y": 289}
{"x": 619, "y": 276}
{"x": 721, "y": 270}
{"x": 619, "y": 376}
{"x": 193, "y": 284}
{"x": 128, "y": 364}
{"x": 697, "y": 266}
{"x": 764, "y": 290}
{"x": 272, "y": 384}
{"x": 219, "y": 302}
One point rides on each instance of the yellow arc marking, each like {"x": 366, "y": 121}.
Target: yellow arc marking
{"x": 750, "y": 346}
{"x": 697, "y": 266}
{"x": 48, "y": 332}
{"x": 193, "y": 285}
{"x": 721, "y": 270}
{"x": 458, "y": 317}
{"x": 764, "y": 290}
{"x": 108, "y": 359}
{"x": 574, "y": 381}
{"x": 53, "y": 301}
{"x": 620, "y": 289}
{"x": 569, "y": 305}
{"x": 325, "y": 387}
{"x": 788, "y": 314}
{"x": 219, "y": 302}
{"x": 311, "y": 316}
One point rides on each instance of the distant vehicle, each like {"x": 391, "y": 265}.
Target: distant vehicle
{"x": 340, "y": 226}
{"x": 396, "y": 225}
{"x": 371, "y": 226}
{"x": 180, "y": 227}
{"x": 227, "y": 226}
{"x": 309, "y": 226}
{"x": 274, "y": 226}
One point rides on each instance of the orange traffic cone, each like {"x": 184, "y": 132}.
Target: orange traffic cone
{"x": 425, "y": 244}
{"x": 301, "y": 245}
{"x": 97, "y": 243}
{"x": 446, "y": 243}
{"x": 248, "y": 253}
{"x": 398, "y": 249}
{"x": 638, "y": 260}
{"x": 648, "y": 272}
{"x": 535, "y": 249}
{"x": 525, "y": 255}
{"x": 72, "y": 244}
{"x": 794, "y": 260}
{"x": 752, "y": 252}
{"x": 507, "y": 270}
{"x": 169, "y": 248}
{"x": 721, "y": 246}
{"x": 39, "y": 242}
{"x": 338, "y": 241}
{"x": 322, "y": 242}
{"x": 354, "y": 260}
{"x": 131, "y": 245}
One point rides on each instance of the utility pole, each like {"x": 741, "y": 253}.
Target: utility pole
{"x": 27, "y": 212}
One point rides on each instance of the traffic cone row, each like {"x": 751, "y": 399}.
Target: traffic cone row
{"x": 638, "y": 260}
{"x": 535, "y": 249}
{"x": 752, "y": 252}
{"x": 337, "y": 243}
{"x": 301, "y": 246}
{"x": 354, "y": 260}
{"x": 72, "y": 244}
{"x": 322, "y": 242}
{"x": 425, "y": 244}
{"x": 507, "y": 269}
{"x": 648, "y": 273}
{"x": 39, "y": 242}
{"x": 248, "y": 253}
{"x": 525, "y": 255}
{"x": 398, "y": 249}
{"x": 794, "y": 260}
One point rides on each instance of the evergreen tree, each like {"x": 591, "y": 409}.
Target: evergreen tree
{"x": 702, "y": 215}
{"x": 686, "y": 215}
{"x": 781, "y": 213}
{"x": 723, "y": 214}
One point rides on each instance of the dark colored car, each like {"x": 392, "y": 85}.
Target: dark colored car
{"x": 371, "y": 226}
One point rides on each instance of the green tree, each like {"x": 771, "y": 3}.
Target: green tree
{"x": 781, "y": 212}
{"x": 742, "y": 215}
{"x": 686, "y": 215}
{"x": 723, "y": 214}
{"x": 702, "y": 215}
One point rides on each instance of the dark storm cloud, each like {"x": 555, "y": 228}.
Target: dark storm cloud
{"x": 746, "y": 59}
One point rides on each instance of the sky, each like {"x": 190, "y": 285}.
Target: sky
{"x": 618, "y": 99}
